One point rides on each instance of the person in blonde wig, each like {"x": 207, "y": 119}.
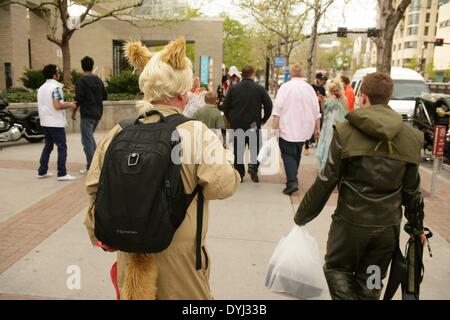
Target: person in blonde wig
{"x": 334, "y": 111}
{"x": 171, "y": 274}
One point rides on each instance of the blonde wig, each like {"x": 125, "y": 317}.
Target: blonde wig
{"x": 165, "y": 74}
{"x": 334, "y": 86}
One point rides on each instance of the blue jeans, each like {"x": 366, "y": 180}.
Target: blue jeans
{"x": 291, "y": 153}
{"x": 54, "y": 136}
{"x": 87, "y": 128}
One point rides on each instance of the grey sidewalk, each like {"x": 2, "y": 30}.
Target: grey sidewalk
{"x": 243, "y": 232}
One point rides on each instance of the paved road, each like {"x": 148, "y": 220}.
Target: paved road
{"x": 42, "y": 239}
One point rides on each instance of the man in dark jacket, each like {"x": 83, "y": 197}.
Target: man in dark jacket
{"x": 242, "y": 108}
{"x": 89, "y": 94}
{"x": 374, "y": 161}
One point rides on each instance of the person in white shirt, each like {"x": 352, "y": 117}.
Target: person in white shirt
{"x": 52, "y": 115}
{"x": 297, "y": 116}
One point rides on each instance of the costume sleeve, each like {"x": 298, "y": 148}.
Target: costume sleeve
{"x": 317, "y": 196}
{"x": 215, "y": 171}
{"x": 412, "y": 199}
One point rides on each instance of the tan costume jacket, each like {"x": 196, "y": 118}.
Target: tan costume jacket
{"x": 177, "y": 277}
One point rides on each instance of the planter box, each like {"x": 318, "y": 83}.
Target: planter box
{"x": 113, "y": 112}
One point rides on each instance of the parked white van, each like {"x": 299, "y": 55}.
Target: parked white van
{"x": 408, "y": 85}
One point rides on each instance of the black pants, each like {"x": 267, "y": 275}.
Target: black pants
{"x": 250, "y": 138}
{"x": 291, "y": 153}
{"x": 353, "y": 253}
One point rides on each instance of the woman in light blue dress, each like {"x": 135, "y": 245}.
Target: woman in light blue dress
{"x": 334, "y": 111}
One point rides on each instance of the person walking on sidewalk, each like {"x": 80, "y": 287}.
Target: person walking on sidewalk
{"x": 319, "y": 88}
{"x": 171, "y": 274}
{"x": 89, "y": 95}
{"x": 349, "y": 92}
{"x": 297, "y": 116}
{"x": 374, "y": 159}
{"x": 242, "y": 108}
{"x": 52, "y": 115}
{"x": 210, "y": 115}
{"x": 334, "y": 111}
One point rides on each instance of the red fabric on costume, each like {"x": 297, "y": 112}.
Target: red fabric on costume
{"x": 113, "y": 274}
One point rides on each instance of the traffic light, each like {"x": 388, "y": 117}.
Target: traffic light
{"x": 342, "y": 32}
{"x": 373, "y": 33}
{"x": 439, "y": 42}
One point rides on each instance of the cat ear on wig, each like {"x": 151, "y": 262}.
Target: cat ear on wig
{"x": 175, "y": 53}
{"x": 137, "y": 54}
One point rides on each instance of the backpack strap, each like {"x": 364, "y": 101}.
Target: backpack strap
{"x": 198, "y": 244}
{"x": 125, "y": 123}
{"x": 198, "y": 237}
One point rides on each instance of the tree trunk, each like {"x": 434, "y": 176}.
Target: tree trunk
{"x": 389, "y": 19}
{"x": 311, "y": 61}
{"x": 66, "y": 62}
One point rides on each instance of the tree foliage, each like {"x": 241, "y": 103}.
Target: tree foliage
{"x": 237, "y": 43}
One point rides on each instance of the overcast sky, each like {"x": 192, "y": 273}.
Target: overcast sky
{"x": 355, "y": 14}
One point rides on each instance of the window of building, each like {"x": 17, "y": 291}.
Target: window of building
{"x": 413, "y": 18}
{"x": 412, "y": 31}
{"x": 415, "y": 5}
{"x": 399, "y": 46}
{"x": 429, "y": 4}
{"x": 427, "y": 18}
{"x": 426, "y": 31}
{"x": 410, "y": 44}
{"x": 406, "y": 61}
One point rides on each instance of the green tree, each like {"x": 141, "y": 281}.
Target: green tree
{"x": 413, "y": 64}
{"x": 430, "y": 73}
{"x": 237, "y": 43}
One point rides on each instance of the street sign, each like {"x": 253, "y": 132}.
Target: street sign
{"x": 204, "y": 69}
{"x": 439, "y": 141}
{"x": 280, "y": 61}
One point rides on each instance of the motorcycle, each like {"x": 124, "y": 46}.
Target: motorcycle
{"x": 15, "y": 125}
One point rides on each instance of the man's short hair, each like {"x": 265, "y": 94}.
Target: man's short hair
{"x": 87, "y": 64}
{"x": 378, "y": 87}
{"x": 49, "y": 71}
{"x": 321, "y": 76}
{"x": 211, "y": 97}
{"x": 247, "y": 72}
{"x": 345, "y": 79}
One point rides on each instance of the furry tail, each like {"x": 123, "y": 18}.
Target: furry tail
{"x": 140, "y": 281}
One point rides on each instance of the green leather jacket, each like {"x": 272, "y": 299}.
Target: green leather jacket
{"x": 374, "y": 162}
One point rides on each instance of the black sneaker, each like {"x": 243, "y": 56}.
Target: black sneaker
{"x": 253, "y": 174}
{"x": 290, "y": 190}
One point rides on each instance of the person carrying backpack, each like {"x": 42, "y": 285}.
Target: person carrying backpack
{"x": 149, "y": 189}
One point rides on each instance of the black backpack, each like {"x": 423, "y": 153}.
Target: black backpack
{"x": 140, "y": 201}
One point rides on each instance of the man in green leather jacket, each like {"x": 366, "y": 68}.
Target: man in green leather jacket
{"x": 374, "y": 162}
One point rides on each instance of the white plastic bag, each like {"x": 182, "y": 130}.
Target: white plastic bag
{"x": 269, "y": 157}
{"x": 295, "y": 267}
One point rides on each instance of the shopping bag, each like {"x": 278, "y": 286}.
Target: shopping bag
{"x": 295, "y": 268}
{"x": 269, "y": 157}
